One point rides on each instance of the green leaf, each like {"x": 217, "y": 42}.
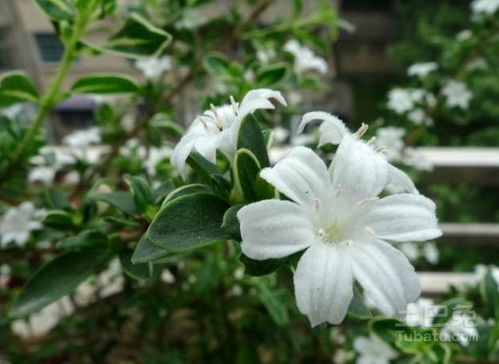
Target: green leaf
{"x": 138, "y": 38}
{"x": 489, "y": 289}
{"x": 271, "y": 75}
{"x": 137, "y": 271}
{"x": 56, "y": 279}
{"x": 59, "y": 219}
{"x": 258, "y": 268}
{"x": 246, "y": 178}
{"x": 105, "y": 84}
{"x": 217, "y": 64}
{"x": 250, "y": 137}
{"x": 16, "y": 87}
{"x": 88, "y": 239}
{"x": 56, "y": 200}
{"x": 186, "y": 190}
{"x": 188, "y": 222}
{"x": 120, "y": 199}
{"x": 141, "y": 191}
{"x": 57, "y": 9}
{"x": 357, "y": 306}
{"x": 230, "y": 223}
{"x": 202, "y": 166}
{"x": 145, "y": 251}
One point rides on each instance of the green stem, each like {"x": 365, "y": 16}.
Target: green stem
{"x": 49, "y": 99}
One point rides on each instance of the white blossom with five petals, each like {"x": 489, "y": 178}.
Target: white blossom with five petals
{"x": 336, "y": 217}
{"x": 218, "y": 128}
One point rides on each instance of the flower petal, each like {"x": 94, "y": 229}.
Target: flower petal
{"x": 323, "y": 283}
{"x": 301, "y": 175}
{"x": 399, "y": 181}
{"x": 258, "y": 99}
{"x": 274, "y": 229}
{"x": 385, "y": 274}
{"x": 332, "y": 129}
{"x": 403, "y": 217}
{"x": 358, "y": 169}
{"x": 181, "y": 152}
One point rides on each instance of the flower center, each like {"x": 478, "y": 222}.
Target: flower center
{"x": 330, "y": 235}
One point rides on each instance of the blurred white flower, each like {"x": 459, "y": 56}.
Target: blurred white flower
{"x": 302, "y": 139}
{"x": 154, "y": 67}
{"x": 421, "y": 312}
{"x": 460, "y": 328}
{"x": 192, "y": 18}
{"x": 477, "y": 64}
{"x": 419, "y": 116}
{"x": 481, "y": 270}
{"x": 235, "y": 291}
{"x": 342, "y": 356}
{"x": 457, "y": 94}
{"x": 239, "y": 273}
{"x": 414, "y": 158}
{"x": 401, "y": 100}
{"x": 488, "y": 7}
{"x": 372, "y": 350}
{"x": 422, "y": 70}
{"x": 111, "y": 281}
{"x": 464, "y": 35}
{"x": 336, "y": 216}
{"x": 167, "y": 276}
{"x": 218, "y": 128}
{"x": 83, "y": 138}
{"x": 280, "y": 134}
{"x": 4, "y": 275}
{"x": 430, "y": 252}
{"x": 42, "y": 322}
{"x": 43, "y": 174}
{"x": 155, "y": 156}
{"x": 304, "y": 58}
{"x": 265, "y": 55}
{"x": 391, "y": 138}
{"x": 17, "y": 224}
{"x": 410, "y": 250}
{"x": 72, "y": 178}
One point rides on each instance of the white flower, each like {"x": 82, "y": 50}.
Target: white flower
{"x": 4, "y": 275}
{"x": 464, "y": 35}
{"x": 83, "y": 138}
{"x": 111, "y": 281}
{"x": 460, "y": 328}
{"x": 414, "y": 158}
{"x": 410, "y": 250}
{"x": 332, "y": 130}
{"x": 218, "y": 128}
{"x": 192, "y": 18}
{"x": 481, "y": 270}
{"x": 42, "y": 322}
{"x": 422, "y": 70}
{"x": 280, "y": 134}
{"x": 391, "y": 138}
{"x": 17, "y": 223}
{"x": 400, "y": 100}
{"x": 372, "y": 350}
{"x": 155, "y": 156}
{"x": 265, "y": 55}
{"x": 167, "y": 276}
{"x": 154, "y": 67}
{"x": 457, "y": 94}
{"x": 488, "y": 7}
{"x": 342, "y": 356}
{"x": 72, "y": 178}
{"x": 419, "y": 116}
{"x": 304, "y": 57}
{"x": 430, "y": 252}
{"x": 337, "y": 218}
{"x": 421, "y": 312}
{"x": 43, "y": 174}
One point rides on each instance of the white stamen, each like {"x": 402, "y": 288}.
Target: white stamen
{"x": 234, "y": 104}
{"x": 317, "y": 204}
{"x": 365, "y": 201}
{"x": 217, "y": 119}
{"x": 346, "y": 243}
{"x": 362, "y": 130}
{"x": 381, "y": 149}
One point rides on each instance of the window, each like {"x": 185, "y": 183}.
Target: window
{"x": 49, "y": 46}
